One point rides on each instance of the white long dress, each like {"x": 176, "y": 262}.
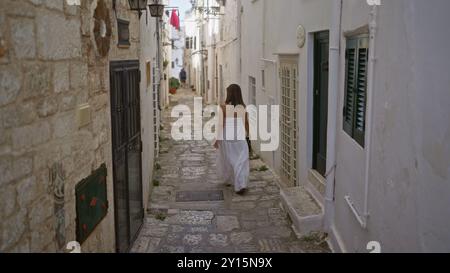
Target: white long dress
{"x": 233, "y": 164}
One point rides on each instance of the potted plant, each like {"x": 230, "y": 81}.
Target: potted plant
{"x": 174, "y": 84}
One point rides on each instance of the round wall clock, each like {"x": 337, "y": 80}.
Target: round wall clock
{"x": 301, "y": 36}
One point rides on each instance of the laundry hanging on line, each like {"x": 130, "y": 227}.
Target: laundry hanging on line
{"x": 175, "y": 19}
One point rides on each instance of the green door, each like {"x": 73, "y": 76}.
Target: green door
{"x": 321, "y": 53}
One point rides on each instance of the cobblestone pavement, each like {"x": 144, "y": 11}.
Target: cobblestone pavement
{"x": 253, "y": 223}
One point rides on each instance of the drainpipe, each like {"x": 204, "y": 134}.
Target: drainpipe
{"x": 333, "y": 87}
{"x": 264, "y": 30}
{"x": 159, "y": 59}
{"x": 239, "y": 35}
{"x": 370, "y": 90}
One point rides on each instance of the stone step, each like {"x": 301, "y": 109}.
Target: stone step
{"x": 158, "y": 208}
{"x": 306, "y": 214}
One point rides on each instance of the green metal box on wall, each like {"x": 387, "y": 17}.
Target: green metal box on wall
{"x": 91, "y": 203}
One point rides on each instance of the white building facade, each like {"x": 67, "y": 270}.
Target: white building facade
{"x": 177, "y": 58}
{"x": 363, "y": 112}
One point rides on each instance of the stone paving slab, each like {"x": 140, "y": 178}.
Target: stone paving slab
{"x": 253, "y": 223}
{"x": 191, "y": 196}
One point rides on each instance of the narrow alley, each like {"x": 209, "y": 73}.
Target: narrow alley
{"x": 345, "y": 106}
{"x": 191, "y": 211}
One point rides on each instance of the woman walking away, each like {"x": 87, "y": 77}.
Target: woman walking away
{"x": 233, "y": 163}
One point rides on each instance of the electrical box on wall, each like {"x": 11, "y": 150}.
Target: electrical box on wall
{"x": 83, "y": 115}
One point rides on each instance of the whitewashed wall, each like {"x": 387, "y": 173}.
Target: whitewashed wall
{"x": 148, "y": 53}
{"x": 409, "y": 191}
{"x": 177, "y": 53}
{"x": 228, "y": 47}
{"x": 211, "y": 39}
{"x": 410, "y": 170}
{"x": 269, "y": 31}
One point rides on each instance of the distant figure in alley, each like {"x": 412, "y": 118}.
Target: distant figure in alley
{"x": 183, "y": 77}
{"x": 233, "y": 163}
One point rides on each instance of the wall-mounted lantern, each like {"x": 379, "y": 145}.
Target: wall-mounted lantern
{"x": 138, "y": 5}
{"x": 156, "y": 9}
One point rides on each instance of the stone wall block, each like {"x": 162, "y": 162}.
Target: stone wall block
{"x": 28, "y": 191}
{"x": 14, "y": 168}
{"x": 37, "y": 80}
{"x": 5, "y": 169}
{"x": 68, "y": 102}
{"x": 71, "y": 9}
{"x": 36, "y": 2}
{"x": 10, "y": 84}
{"x": 55, "y": 4}
{"x": 69, "y": 165}
{"x": 41, "y": 236}
{"x": 47, "y": 106}
{"x": 99, "y": 121}
{"x": 95, "y": 80}
{"x": 22, "y": 167}
{"x": 7, "y": 201}
{"x": 4, "y": 138}
{"x": 85, "y": 22}
{"x": 40, "y": 211}
{"x": 78, "y": 75}
{"x": 23, "y": 38}
{"x": 31, "y": 135}
{"x": 12, "y": 229}
{"x": 19, "y": 115}
{"x": 59, "y": 38}
{"x": 100, "y": 101}
{"x": 64, "y": 125}
{"x": 20, "y": 8}
{"x": 61, "y": 80}
{"x": 23, "y": 246}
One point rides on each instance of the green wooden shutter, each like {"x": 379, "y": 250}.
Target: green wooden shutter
{"x": 355, "y": 100}
{"x": 361, "y": 92}
{"x": 350, "y": 80}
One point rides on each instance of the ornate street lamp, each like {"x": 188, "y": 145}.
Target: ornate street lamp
{"x": 156, "y": 9}
{"x": 138, "y": 5}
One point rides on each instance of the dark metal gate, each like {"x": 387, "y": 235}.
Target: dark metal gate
{"x": 127, "y": 148}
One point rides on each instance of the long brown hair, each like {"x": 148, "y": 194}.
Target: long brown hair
{"x": 234, "y": 96}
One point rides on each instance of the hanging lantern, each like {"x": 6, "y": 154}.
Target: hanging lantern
{"x": 138, "y": 5}
{"x": 156, "y": 9}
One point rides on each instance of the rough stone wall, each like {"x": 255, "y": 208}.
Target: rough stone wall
{"x": 49, "y": 66}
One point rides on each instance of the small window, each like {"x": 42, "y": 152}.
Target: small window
{"x": 123, "y": 33}
{"x": 355, "y": 101}
{"x": 188, "y": 43}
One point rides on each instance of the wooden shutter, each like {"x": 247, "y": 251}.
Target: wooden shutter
{"x": 350, "y": 79}
{"x": 357, "y": 53}
{"x": 361, "y": 93}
